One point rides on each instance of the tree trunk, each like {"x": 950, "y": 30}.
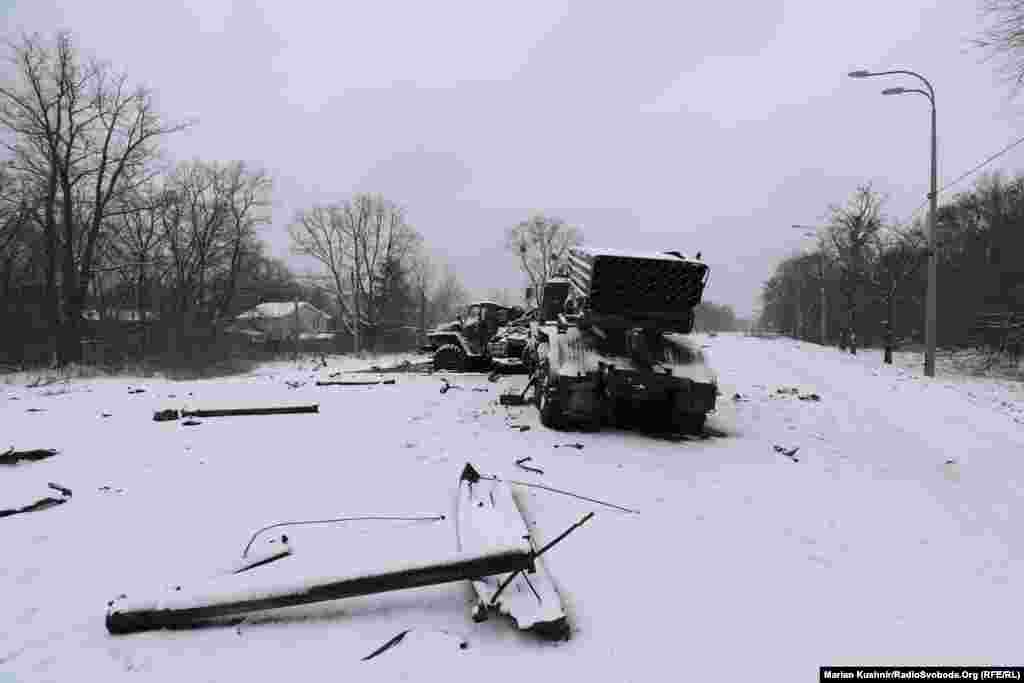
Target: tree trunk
{"x": 889, "y": 325}
{"x": 356, "y": 323}
{"x": 852, "y": 324}
{"x": 423, "y": 317}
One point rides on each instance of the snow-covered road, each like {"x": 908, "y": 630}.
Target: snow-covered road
{"x": 869, "y": 549}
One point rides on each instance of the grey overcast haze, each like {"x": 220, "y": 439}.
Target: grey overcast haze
{"x": 708, "y": 127}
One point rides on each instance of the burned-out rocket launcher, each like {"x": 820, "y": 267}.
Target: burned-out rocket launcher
{"x": 621, "y": 289}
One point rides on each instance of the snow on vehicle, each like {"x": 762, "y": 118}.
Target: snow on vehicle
{"x": 614, "y": 347}
{"x": 507, "y": 348}
{"x": 462, "y": 344}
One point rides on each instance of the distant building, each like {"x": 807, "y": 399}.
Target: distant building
{"x": 280, "y": 320}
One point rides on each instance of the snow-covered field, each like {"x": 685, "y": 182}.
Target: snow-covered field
{"x": 895, "y": 537}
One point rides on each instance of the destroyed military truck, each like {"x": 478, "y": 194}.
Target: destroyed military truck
{"x": 508, "y": 345}
{"x": 611, "y": 347}
{"x": 462, "y": 344}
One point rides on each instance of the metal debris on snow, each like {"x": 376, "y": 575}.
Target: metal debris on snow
{"x": 11, "y": 456}
{"x": 788, "y": 452}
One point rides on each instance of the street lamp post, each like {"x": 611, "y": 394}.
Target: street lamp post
{"x": 930, "y": 297}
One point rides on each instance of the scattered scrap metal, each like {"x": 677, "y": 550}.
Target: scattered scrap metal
{"x": 788, "y": 452}
{"x": 42, "y": 503}
{"x": 12, "y": 457}
{"x": 63, "y": 490}
{"x": 463, "y": 643}
{"x": 386, "y": 646}
{"x": 447, "y": 386}
{"x": 512, "y": 398}
{"x": 404, "y": 366}
{"x": 528, "y": 458}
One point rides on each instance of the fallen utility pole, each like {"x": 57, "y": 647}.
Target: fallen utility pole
{"x": 226, "y": 596}
{"x": 225, "y": 412}
{"x": 344, "y": 383}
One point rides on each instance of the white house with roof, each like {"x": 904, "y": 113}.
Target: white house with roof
{"x": 278, "y": 320}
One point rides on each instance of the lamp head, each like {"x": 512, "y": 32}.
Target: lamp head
{"x": 859, "y": 74}
{"x": 894, "y": 91}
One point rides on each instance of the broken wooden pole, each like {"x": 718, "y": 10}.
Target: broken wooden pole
{"x": 239, "y": 594}
{"x": 227, "y": 412}
{"x": 356, "y": 383}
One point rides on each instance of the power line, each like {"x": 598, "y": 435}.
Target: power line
{"x": 972, "y": 170}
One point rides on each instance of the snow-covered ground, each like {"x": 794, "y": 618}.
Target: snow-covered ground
{"x": 871, "y": 547}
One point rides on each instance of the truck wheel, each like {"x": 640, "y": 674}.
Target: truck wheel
{"x": 550, "y": 409}
{"x": 450, "y": 357}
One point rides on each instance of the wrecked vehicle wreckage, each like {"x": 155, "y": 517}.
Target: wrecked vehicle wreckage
{"x": 465, "y": 344}
{"x": 612, "y": 347}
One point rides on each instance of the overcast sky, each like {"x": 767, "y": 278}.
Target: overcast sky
{"x": 708, "y": 126}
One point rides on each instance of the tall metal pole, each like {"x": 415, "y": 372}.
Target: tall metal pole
{"x": 933, "y": 259}
{"x": 930, "y": 306}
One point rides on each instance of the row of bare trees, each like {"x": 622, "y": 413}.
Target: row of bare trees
{"x": 91, "y": 217}
{"x": 95, "y": 224}
{"x": 867, "y": 276}
{"x": 80, "y": 141}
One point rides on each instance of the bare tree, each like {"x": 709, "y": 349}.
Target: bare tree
{"x": 247, "y": 194}
{"x": 900, "y": 255}
{"x": 208, "y": 215}
{"x": 317, "y": 233}
{"x": 851, "y": 235}
{"x": 85, "y": 138}
{"x": 353, "y": 240}
{"x": 1002, "y": 37}
{"x": 422, "y": 274}
{"x": 542, "y": 245}
{"x": 449, "y": 296}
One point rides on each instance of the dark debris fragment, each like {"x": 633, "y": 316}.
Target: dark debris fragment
{"x": 11, "y": 456}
